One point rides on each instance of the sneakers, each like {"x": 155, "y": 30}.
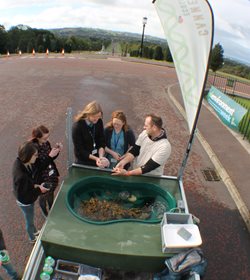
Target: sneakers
{"x": 37, "y": 233}
{"x": 33, "y": 241}
{"x": 19, "y": 277}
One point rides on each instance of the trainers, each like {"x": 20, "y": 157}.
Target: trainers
{"x": 33, "y": 241}
{"x": 37, "y": 233}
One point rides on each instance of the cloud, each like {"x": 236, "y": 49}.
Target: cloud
{"x": 231, "y": 18}
{"x": 232, "y": 27}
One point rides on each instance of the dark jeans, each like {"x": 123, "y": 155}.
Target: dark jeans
{"x": 44, "y": 199}
{"x": 10, "y": 271}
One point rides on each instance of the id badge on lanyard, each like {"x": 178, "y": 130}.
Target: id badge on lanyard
{"x": 51, "y": 172}
{"x": 94, "y": 151}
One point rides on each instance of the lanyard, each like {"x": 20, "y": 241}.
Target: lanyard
{"x": 92, "y": 133}
{"x": 116, "y": 138}
{"x": 29, "y": 169}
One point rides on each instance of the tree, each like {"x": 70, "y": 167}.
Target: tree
{"x": 169, "y": 57}
{"x": 3, "y": 39}
{"x": 30, "y": 46}
{"x": 151, "y": 53}
{"x": 39, "y": 42}
{"x": 158, "y": 55}
{"x": 146, "y": 52}
{"x": 14, "y": 36}
{"x": 217, "y": 58}
{"x": 68, "y": 45}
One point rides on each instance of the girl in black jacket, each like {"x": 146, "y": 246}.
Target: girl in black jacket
{"x": 26, "y": 170}
{"x": 50, "y": 174}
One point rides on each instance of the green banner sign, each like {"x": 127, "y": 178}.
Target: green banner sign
{"x": 229, "y": 111}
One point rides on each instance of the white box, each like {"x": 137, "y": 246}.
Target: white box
{"x": 177, "y": 218}
{"x": 172, "y": 242}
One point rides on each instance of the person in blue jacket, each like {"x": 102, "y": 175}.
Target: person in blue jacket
{"x": 119, "y": 137}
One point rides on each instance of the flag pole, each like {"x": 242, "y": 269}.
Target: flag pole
{"x": 191, "y": 138}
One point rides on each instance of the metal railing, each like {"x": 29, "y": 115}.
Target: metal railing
{"x": 70, "y": 157}
{"x": 229, "y": 85}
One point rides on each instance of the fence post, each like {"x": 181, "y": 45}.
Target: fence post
{"x": 235, "y": 81}
{"x": 214, "y": 78}
{"x": 245, "y": 133}
{"x": 69, "y": 137}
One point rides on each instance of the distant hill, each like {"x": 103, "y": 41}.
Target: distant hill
{"x": 106, "y": 35}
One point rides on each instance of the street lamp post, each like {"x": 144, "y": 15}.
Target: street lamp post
{"x": 144, "y": 21}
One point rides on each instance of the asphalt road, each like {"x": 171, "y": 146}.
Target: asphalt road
{"x": 37, "y": 90}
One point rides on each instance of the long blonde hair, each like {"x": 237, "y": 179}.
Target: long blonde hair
{"x": 92, "y": 108}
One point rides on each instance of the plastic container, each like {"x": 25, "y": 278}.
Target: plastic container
{"x": 67, "y": 267}
{"x": 4, "y": 257}
{"x": 50, "y": 261}
{"x": 47, "y": 269}
{"x": 90, "y": 270}
{"x": 172, "y": 239}
{"x": 179, "y": 233}
{"x": 177, "y": 218}
{"x": 88, "y": 277}
{"x": 44, "y": 276}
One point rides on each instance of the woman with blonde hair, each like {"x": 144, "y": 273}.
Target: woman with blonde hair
{"x": 118, "y": 136}
{"x": 88, "y": 136}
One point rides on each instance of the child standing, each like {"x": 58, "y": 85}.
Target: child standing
{"x": 50, "y": 175}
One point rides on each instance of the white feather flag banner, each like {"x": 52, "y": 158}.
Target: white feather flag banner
{"x": 188, "y": 27}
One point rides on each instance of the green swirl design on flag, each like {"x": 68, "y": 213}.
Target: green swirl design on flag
{"x": 180, "y": 54}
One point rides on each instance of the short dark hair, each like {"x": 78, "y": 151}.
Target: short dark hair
{"x": 156, "y": 120}
{"x": 26, "y": 151}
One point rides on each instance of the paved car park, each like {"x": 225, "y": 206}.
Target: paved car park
{"x": 38, "y": 90}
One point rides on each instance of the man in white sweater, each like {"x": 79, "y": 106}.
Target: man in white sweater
{"x": 150, "y": 153}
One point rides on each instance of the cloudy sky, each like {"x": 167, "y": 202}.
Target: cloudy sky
{"x": 232, "y": 24}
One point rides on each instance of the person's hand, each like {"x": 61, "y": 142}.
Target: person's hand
{"x": 122, "y": 157}
{"x": 116, "y": 156}
{"x": 43, "y": 189}
{"x": 120, "y": 165}
{"x": 102, "y": 162}
{"x": 54, "y": 152}
{"x": 116, "y": 171}
{"x": 59, "y": 146}
{"x": 98, "y": 162}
